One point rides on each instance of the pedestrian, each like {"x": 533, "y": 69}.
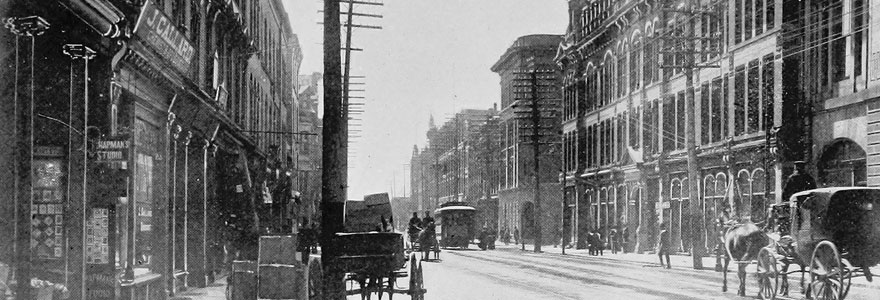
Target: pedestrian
{"x": 427, "y": 219}
{"x": 516, "y": 235}
{"x": 663, "y": 246}
{"x": 798, "y": 181}
{"x": 600, "y": 243}
{"x": 593, "y": 242}
{"x": 612, "y": 236}
{"x": 505, "y": 236}
{"x": 625, "y": 239}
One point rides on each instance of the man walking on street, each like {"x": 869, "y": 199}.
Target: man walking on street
{"x": 613, "y": 238}
{"x": 663, "y": 245}
{"x": 798, "y": 181}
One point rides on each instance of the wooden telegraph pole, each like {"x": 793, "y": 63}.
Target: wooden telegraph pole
{"x": 680, "y": 40}
{"x": 540, "y": 135}
{"x": 333, "y": 144}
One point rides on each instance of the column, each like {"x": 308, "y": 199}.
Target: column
{"x": 195, "y": 212}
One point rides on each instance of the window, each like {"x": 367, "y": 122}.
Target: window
{"x": 680, "y": 119}
{"x": 859, "y": 22}
{"x": 759, "y": 16}
{"x": 621, "y": 136}
{"x": 771, "y": 14}
{"x": 581, "y": 148}
{"x": 747, "y": 14}
{"x": 718, "y": 110}
{"x": 668, "y": 135}
{"x": 648, "y": 74}
{"x": 621, "y": 72}
{"x": 146, "y": 144}
{"x": 739, "y": 101}
{"x": 768, "y": 91}
{"x": 753, "y": 110}
{"x": 705, "y": 114}
{"x": 635, "y": 65}
{"x": 635, "y": 122}
{"x": 838, "y": 43}
{"x": 737, "y": 21}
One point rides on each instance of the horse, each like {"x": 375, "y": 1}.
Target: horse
{"x": 742, "y": 243}
{"x": 428, "y": 240}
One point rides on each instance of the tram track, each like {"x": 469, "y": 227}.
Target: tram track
{"x": 638, "y": 277}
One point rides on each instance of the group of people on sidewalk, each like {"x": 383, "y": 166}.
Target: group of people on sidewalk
{"x": 616, "y": 241}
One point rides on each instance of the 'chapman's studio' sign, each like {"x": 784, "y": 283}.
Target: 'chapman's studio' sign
{"x": 158, "y": 31}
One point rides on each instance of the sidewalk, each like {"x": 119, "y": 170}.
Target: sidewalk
{"x": 679, "y": 261}
{"x": 214, "y": 291}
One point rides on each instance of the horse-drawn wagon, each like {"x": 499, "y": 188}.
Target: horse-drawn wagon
{"x": 832, "y": 234}
{"x": 371, "y": 255}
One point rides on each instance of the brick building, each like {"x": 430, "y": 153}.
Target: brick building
{"x": 179, "y": 119}
{"x": 764, "y": 100}
{"x": 517, "y": 191}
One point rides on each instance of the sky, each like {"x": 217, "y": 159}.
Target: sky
{"x": 431, "y": 58}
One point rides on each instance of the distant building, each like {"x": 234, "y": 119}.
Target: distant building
{"x": 307, "y": 142}
{"x": 458, "y": 163}
{"x": 517, "y": 191}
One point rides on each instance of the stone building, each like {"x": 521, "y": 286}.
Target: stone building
{"x": 144, "y": 137}
{"x": 775, "y": 81}
{"x": 516, "y": 206}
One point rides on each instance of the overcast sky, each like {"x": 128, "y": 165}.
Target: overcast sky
{"x": 430, "y": 58}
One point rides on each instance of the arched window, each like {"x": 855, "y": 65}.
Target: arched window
{"x": 842, "y": 163}
{"x": 743, "y": 196}
{"x": 759, "y": 199}
{"x": 709, "y": 210}
{"x": 622, "y": 55}
{"x": 650, "y": 57}
{"x": 635, "y": 63}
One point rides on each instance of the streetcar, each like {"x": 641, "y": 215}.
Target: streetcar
{"x": 457, "y": 224}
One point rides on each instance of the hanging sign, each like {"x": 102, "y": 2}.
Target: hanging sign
{"x": 113, "y": 152}
{"x": 159, "y": 32}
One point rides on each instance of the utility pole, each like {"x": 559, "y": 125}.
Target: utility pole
{"x": 536, "y": 148}
{"x": 333, "y": 160}
{"x": 682, "y": 40}
{"x": 535, "y": 117}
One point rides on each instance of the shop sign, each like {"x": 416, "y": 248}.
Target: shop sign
{"x": 112, "y": 151}
{"x": 159, "y": 32}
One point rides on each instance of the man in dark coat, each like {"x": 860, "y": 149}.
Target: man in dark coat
{"x": 427, "y": 219}
{"x": 798, "y": 181}
{"x": 663, "y": 245}
{"x": 415, "y": 223}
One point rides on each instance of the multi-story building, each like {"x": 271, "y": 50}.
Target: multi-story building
{"x": 531, "y": 53}
{"x": 457, "y": 162}
{"x": 829, "y": 62}
{"x": 139, "y": 127}
{"x": 308, "y": 141}
{"x": 624, "y": 119}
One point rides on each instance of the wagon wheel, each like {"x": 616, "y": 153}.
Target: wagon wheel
{"x": 316, "y": 275}
{"x": 826, "y": 273}
{"x": 768, "y": 279}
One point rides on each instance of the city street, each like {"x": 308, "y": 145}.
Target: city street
{"x": 511, "y": 274}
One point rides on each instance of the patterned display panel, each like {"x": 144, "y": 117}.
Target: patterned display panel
{"x": 97, "y": 237}
{"x": 47, "y": 210}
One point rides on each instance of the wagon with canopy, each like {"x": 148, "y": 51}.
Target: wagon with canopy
{"x": 372, "y": 255}
{"x": 832, "y": 234}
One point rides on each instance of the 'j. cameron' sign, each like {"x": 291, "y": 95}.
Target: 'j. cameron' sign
{"x": 157, "y": 31}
